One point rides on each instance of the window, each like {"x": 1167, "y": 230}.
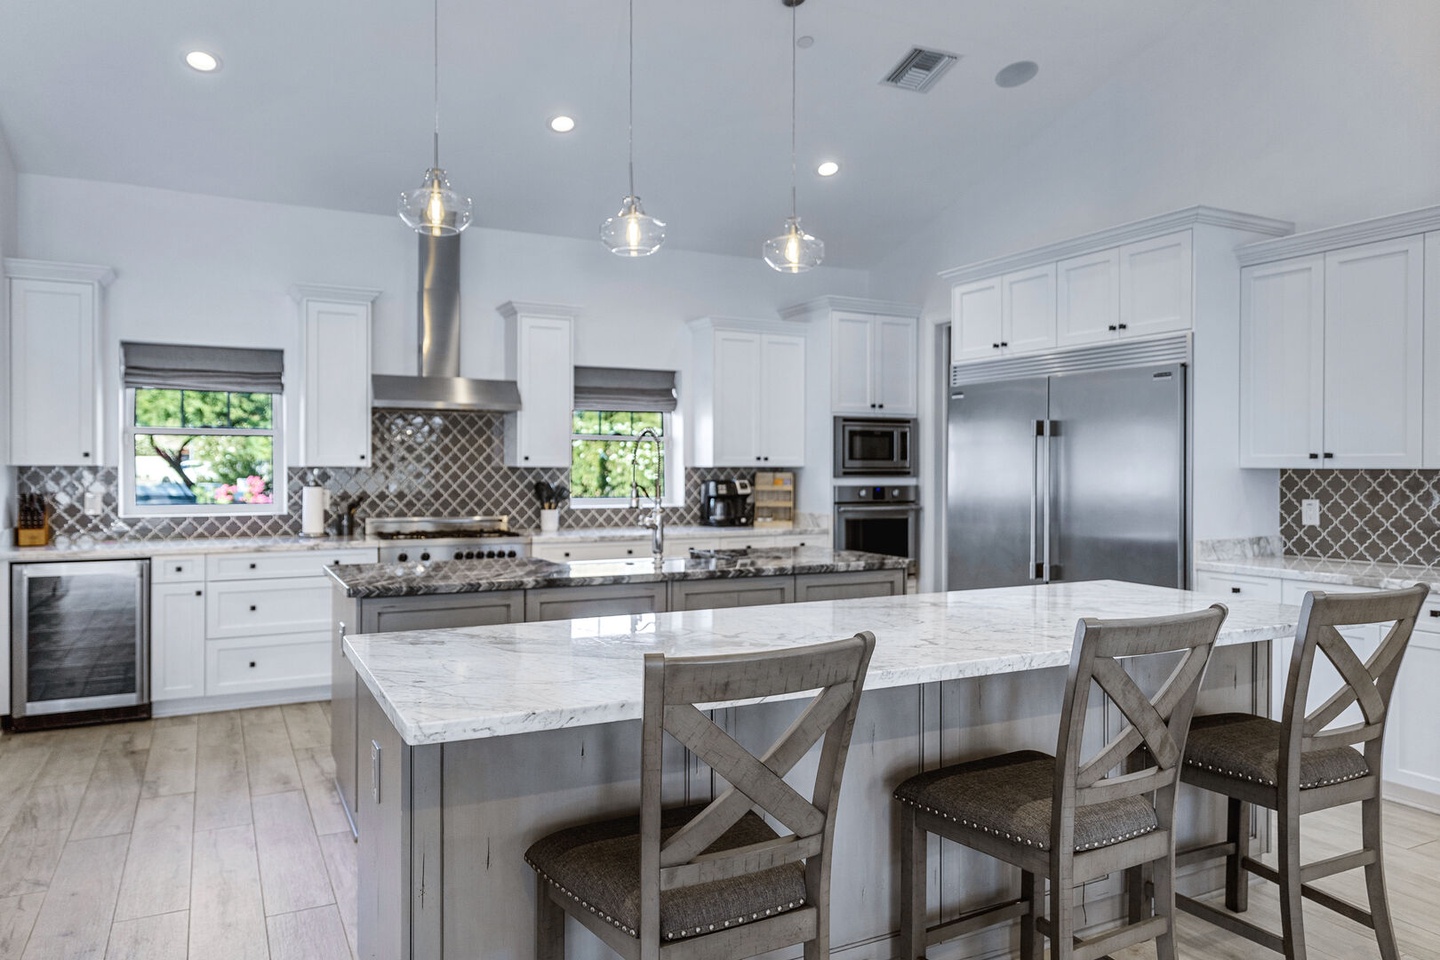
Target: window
{"x": 201, "y": 434}
{"x": 603, "y": 445}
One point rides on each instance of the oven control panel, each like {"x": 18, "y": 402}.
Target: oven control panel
{"x": 877, "y": 494}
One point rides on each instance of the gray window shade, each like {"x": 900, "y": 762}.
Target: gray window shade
{"x": 613, "y": 388}
{"x": 176, "y": 366}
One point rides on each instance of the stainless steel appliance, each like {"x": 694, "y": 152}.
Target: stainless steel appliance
{"x": 726, "y": 503}
{"x": 874, "y": 448}
{"x": 427, "y": 539}
{"x": 878, "y": 519}
{"x": 80, "y": 641}
{"x": 1076, "y": 476}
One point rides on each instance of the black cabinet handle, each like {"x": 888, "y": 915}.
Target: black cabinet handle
{"x": 252, "y": 566}
{"x": 567, "y": 553}
{"x": 1314, "y": 456}
{"x": 995, "y": 345}
{"x": 198, "y": 593}
{"x": 85, "y": 454}
{"x": 1112, "y": 327}
{"x": 362, "y": 456}
{"x": 1435, "y": 613}
{"x": 1004, "y": 343}
{"x": 527, "y": 458}
{"x": 1328, "y": 455}
{"x": 1234, "y": 589}
{"x": 1124, "y": 326}
{"x": 179, "y": 569}
{"x": 252, "y": 664}
{"x": 882, "y": 406}
{"x": 252, "y": 608}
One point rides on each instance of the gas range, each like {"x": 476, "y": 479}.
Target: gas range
{"x": 427, "y": 539}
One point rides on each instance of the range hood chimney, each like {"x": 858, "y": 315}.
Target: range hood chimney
{"x": 439, "y": 385}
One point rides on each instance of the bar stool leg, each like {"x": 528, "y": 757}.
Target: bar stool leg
{"x": 1062, "y": 913}
{"x": 1292, "y": 921}
{"x": 1371, "y": 833}
{"x": 1163, "y": 876}
{"x": 913, "y": 843}
{"x": 1237, "y": 879}
{"x": 1030, "y": 947}
{"x": 549, "y": 924}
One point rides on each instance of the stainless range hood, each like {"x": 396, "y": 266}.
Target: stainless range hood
{"x": 439, "y": 385}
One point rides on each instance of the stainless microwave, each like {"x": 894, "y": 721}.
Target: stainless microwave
{"x": 874, "y": 448}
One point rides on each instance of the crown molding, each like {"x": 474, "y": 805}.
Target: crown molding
{"x": 750, "y": 324}
{"x": 320, "y": 291}
{"x": 55, "y": 270}
{"x": 828, "y": 304}
{"x": 1117, "y": 236}
{"x": 1405, "y": 224}
{"x": 511, "y": 309}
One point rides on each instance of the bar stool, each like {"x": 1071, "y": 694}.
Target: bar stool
{"x": 1062, "y": 817}
{"x": 714, "y": 880}
{"x": 1302, "y": 764}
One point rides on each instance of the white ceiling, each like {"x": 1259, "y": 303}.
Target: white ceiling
{"x": 326, "y": 103}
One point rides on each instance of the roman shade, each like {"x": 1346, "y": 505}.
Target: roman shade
{"x": 178, "y": 366}
{"x": 614, "y": 388}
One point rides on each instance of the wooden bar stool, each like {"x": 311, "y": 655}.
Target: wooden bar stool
{"x": 1064, "y": 818}
{"x": 714, "y": 880}
{"x": 1305, "y": 763}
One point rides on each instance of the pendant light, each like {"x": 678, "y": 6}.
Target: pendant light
{"x": 632, "y": 232}
{"x": 794, "y": 251}
{"x": 436, "y": 208}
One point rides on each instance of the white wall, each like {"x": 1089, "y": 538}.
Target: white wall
{"x": 192, "y": 268}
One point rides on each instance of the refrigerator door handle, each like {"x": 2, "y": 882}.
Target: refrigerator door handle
{"x": 1049, "y": 570}
{"x": 1037, "y": 569}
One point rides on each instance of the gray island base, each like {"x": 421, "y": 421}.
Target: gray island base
{"x": 478, "y": 741}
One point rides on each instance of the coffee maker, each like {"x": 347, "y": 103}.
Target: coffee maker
{"x": 726, "y": 503}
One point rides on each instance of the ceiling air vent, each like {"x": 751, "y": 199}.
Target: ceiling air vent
{"x": 919, "y": 69}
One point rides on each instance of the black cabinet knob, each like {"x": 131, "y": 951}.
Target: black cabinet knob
{"x": 198, "y": 593}
{"x": 362, "y": 456}
{"x": 252, "y": 566}
{"x": 527, "y": 458}
{"x": 179, "y": 569}
{"x": 1112, "y": 327}
{"x": 1435, "y": 613}
{"x": 85, "y": 454}
{"x": 1328, "y": 455}
{"x": 1314, "y": 456}
{"x": 995, "y": 345}
{"x": 1124, "y": 326}
{"x": 881, "y": 406}
{"x": 252, "y": 608}
{"x": 1234, "y": 589}
{"x": 1004, "y": 343}
{"x": 252, "y": 664}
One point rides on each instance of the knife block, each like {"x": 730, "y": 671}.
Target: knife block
{"x": 27, "y": 534}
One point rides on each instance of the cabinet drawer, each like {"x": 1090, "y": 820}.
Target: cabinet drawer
{"x": 176, "y": 569}
{"x": 244, "y": 608}
{"x": 1237, "y": 585}
{"x": 1293, "y": 591}
{"x": 1429, "y": 621}
{"x": 249, "y": 664}
{"x": 592, "y": 550}
{"x": 298, "y": 563}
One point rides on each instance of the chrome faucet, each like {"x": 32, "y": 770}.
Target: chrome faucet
{"x": 656, "y": 520}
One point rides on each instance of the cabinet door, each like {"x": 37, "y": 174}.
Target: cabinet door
{"x": 1432, "y": 350}
{"x": 1029, "y": 310}
{"x": 894, "y": 365}
{"x": 1282, "y": 363}
{"x": 1087, "y": 299}
{"x": 336, "y": 401}
{"x": 975, "y": 319}
{"x": 1155, "y": 286}
{"x": 1412, "y": 751}
{"x": 850, "y": 364}
{"x": 177, "y": 640}
{"x": 1374, "y": 360}
{"x": 737, "y": 398}
{"x": 546, "y": 378}
{"x": 52, "y": 373}
{"x": 782, "y": 406}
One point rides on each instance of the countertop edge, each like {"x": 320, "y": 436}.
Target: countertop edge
{"x": 1361, "y": 573}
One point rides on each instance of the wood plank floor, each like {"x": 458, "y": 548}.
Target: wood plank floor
{"x": 219, "y": 837}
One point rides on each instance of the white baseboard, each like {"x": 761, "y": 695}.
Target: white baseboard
{"x": 238, "y": 701}
{"x": 1412, "y": 797}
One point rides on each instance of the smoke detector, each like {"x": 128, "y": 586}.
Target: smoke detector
{"x": 919, "y": 69}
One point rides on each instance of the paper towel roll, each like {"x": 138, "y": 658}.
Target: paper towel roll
{"x": 312, "y": 511}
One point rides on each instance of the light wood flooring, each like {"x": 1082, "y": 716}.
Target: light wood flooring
{"x": 219, "y": 837}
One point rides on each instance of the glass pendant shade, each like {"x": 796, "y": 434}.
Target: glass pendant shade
{"x": 794, "y": 251}
{"x": 435, "y": 207}
{"x": 632, "y": 232}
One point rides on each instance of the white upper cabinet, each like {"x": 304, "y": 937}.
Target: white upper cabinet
{"x": 335, "y": 401}
{"x": 540, "y": 358}
{"x": 54, "y": 323}
{"x": 872, "y": 364}
{"x": 1282, "y": 363}
{"x": 1028, "y": 310}
{"x": 1432, "y": 351}
{"x": 1087, "y": 299}
{"x": 747, "y": 394}
{"x": 781, "y": 432}
{"x": 1156, "y": 278}
{"x": 976, "y": 320}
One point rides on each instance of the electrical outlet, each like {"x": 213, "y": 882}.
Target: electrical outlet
{"x": 1310, "y": 513}
{"x": 94, "y": 504}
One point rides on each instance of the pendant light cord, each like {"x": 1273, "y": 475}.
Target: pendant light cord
{"x": 794, "y": 207}
{"x": 632, "y": 98}
{"x": 435, "y": 61}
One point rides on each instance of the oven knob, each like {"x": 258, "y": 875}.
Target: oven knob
{"x": 425, "y": 556}
{"x": 490, "y": 554}
{"x": 510, "y": 554}
{"x": 469, "y": 554}
{"x": 403, "y": 557}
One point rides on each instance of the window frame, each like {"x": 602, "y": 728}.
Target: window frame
{"x": 280, "y": 494}
{"x": 673, "y": 494}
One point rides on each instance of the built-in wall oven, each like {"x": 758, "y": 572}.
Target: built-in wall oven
{"x": 867, "y": 447}
{"x": 80, "y": 638}
{"x": 878, "y": 519}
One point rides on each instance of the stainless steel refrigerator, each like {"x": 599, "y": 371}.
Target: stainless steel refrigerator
{"x": 1077, "y": 476}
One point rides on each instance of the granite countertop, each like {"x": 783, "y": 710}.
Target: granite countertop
{"x": 369, "y": 580}
{"x": 688, "y": 531}
{"x": 446, "y": 685}
{"x": 1360, "y": 573}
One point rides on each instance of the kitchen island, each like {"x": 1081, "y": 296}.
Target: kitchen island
{"x": 481, "y": 740}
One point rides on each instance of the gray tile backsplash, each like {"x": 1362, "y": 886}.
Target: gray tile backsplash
{"x": 1382, "y": 515}
{"x": 425, "y": 464}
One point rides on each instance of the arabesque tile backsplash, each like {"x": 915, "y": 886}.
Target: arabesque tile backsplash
{"x": 425, "y": 464}
{"x": 1381, "y": 515}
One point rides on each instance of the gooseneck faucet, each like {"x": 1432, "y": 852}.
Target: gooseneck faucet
{"x": 656, "y": 520}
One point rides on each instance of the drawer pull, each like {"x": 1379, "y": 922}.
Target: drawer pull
{"x": 1232, "y": 590}
{"x": 252, "y": 566}
{"x": 252, "y": 608}
{"x": 199, "y": 593}
{"x": 179, "y": 569}
{"x": 1435, "y": 613}
{"x": 252, "y": 663}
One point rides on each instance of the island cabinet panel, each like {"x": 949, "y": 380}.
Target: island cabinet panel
{"x": 567, "y": 603}
{"x": 385, "y": 807}
{"x": 718, "y": 594}
{"x": 443, "y": 611}
{"x": 847, "y": 586}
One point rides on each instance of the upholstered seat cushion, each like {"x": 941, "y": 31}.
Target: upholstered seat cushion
{"x": 1246, "y": 747}
{"x": 1010, "y": 796}
{"x": 598, "y": 865}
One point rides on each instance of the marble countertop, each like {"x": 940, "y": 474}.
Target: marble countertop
{"x": 679, "y": 531}
{"x": 363, "y": 581}
{"x": 446, "y": 685}
{"x": 1360, "y": 573}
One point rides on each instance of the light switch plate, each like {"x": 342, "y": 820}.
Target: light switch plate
{"x": 94, "y": 504}
{"x": 1310, "y": 513}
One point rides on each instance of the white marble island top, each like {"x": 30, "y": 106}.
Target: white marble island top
{"x": 446, "y": 685}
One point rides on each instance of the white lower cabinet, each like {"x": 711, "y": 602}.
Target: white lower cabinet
{"x": 1412, "y": 750}
{"x": 591, "y": 550}
{"x": 263, "y": 664}
{"x": 177, "y": 640}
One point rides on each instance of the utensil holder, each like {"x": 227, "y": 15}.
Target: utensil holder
{"x": 549, "y": 520}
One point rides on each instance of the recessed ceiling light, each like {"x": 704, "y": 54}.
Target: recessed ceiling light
{"x": 562, "y": 124}
{"x": 1022, "y": 71}
{"x": 828, "y": 169}
{"x": 202, "y": 61}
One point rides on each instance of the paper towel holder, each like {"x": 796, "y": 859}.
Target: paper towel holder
{"x": 314, "y": 500}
